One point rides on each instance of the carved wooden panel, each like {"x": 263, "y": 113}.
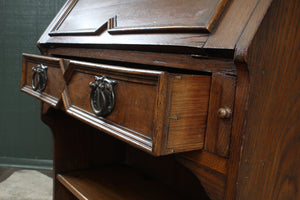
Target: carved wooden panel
{"x": 54, "y": 82}
{"x": 91, "y": 17}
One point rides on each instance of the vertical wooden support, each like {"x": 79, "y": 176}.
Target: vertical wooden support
{"x": 217, "y": 139}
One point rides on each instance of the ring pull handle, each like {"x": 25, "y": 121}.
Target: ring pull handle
{"x": 102, "y": 97}
{"x": 39, "y": 78}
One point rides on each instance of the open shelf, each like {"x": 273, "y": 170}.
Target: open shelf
{"x": 118, "y": 182}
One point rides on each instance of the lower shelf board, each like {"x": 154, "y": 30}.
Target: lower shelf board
{"x": 115, "y": 182}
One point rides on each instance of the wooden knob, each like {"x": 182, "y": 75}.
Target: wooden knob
{"x": 224, "y": 113}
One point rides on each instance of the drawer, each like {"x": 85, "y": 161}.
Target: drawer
{"x": 156, "y": 111}
{"x": 42, "y": 78}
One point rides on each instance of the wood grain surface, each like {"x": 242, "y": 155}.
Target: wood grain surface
{"x": 194, "y": 61}
{"x": 232, "y": 24}
{"x": 55, "y": 81}
{"x": 210, "y": 169}
{"x": 139, "y": 98}
{"x": 188, "y": 111}
{"x": 114, "y": 182}
{"x": 270, "y": 157}
{"x": 201, "y": 16}
{"x": 218, "y": 132}
{"x": 170, "y": 87}
{"x": 238, "y": 128}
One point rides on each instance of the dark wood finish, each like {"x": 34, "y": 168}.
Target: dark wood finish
{"x": 233, "y": 15}
{"x": 235, "y": 19}
{"x": 173, "y": 81}
{"x": 64, "y": 194}
{"x": 201, "y": 15}
{"x": 193, "y": 62}
{"x": 114, "y": 182}
{"x": 250, "y": 30}
{"x": 84, "y": 148}
{"x": 169, "y": 171}
{"x": 138, "y": 117}
{"x": 74, "y": 149}
{"x": 55, "y": 83}
{"x": 137, "y": 40}
{"x": 133, "y": 92}
{"x": 217, "y": 138}
{"x": 273, "y": 115}
{"x": 238, "y": 122}
{"x": 190, "y": 16}
{"x": 206, "y": 159}
{"x": 189, "y": 39}
{"x": 210, "y": 169}
{"x": 77, "y": 146}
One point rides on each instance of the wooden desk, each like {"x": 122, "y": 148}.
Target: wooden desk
{"x": 172, "y": 100}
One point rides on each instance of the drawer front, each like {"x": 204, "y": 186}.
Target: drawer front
{"x": 42, "y": 78}
{"x": 156, "y": 111}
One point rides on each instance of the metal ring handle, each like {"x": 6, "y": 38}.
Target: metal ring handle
{"x": 98, "y": 101}
{"x": 102, "y": 96}
{"x": 35, "y": 81}
{"x": 39, "y": 78}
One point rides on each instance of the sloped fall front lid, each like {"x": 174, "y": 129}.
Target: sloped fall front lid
{"x": 195, "y": 26}
{"x": 91, "y": 17}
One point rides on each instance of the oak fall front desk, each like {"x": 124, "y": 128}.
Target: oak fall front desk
{"x": 150, "y": 99}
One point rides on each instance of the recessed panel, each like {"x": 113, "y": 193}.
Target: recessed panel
{"x": 91, "y": 17}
